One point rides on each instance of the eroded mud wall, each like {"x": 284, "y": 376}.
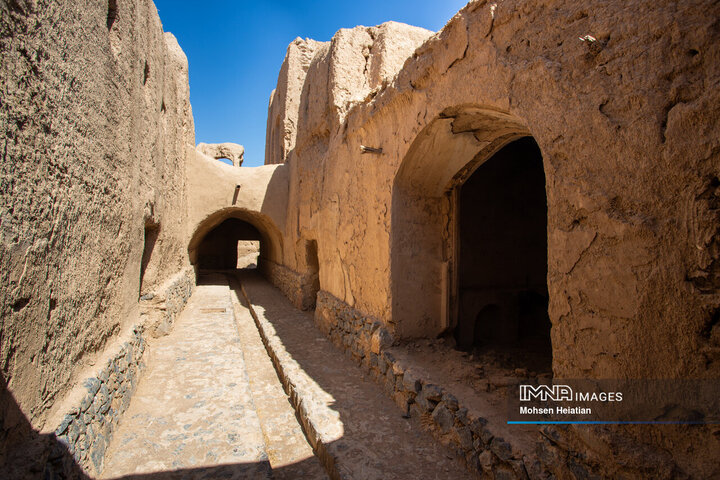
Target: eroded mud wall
{"x": 619, "y": 97}
{"x": 630, "y": 165}
{"x": 95, "y": 118}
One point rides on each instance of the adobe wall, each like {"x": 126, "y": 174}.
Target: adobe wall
{"x": 623, "y": 111}
{"x": 631, "y": 224}
{"x": 96, "y": 122}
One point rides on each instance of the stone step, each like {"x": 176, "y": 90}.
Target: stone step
{"x": 356, "y": 431}
{"x": 193, "y": 414}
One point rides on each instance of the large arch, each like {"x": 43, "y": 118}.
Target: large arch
{"x": 271, "y": 243}
{"x": 424, "y": 228}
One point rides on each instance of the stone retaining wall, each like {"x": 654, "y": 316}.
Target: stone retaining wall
{"x": 87, "y": 429}
{"x": 313, "y": 417}
{"x": 368, "y": 343}
{"x": 297, "y": 287}
{"x": 88, "y": 424}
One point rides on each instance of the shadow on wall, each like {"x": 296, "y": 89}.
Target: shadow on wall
{"x": 26, "y": 453}
{"x": 152, "y": 231}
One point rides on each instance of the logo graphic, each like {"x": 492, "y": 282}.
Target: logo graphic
{"x": 544, "y": 393}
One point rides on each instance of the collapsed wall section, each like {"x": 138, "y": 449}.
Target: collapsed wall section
{"x": 96, "y": 123}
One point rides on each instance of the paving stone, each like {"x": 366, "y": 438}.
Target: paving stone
{"x": 367, "y": 437}
{"x": 501, "y": 448}
{"x": 450, "y": 401}
{"x": 411, "y": 381}
{"x": 464, "y": 438}
{"x": 443, "y": 417}
{"x": 432, "y": 392}
{"x": 195, "y": 376}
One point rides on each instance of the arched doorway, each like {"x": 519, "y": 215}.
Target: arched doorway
{"x": 501, "y": 255}
{"x": 469, "y": 234}
{"x": 219, "y": 249}
{"x": 232, "y": 238}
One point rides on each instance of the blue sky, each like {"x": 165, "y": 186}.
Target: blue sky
{"x": 236, "y": 48}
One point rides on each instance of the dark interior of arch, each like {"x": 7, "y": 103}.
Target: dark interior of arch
{"x": 503, "y": 295}
{"x": 219, "y": 249}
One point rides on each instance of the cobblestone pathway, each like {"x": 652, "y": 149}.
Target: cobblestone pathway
{"x": 364, "y": 433}
{"x": 210, "y": 405}
{"x": 193, "y": 415}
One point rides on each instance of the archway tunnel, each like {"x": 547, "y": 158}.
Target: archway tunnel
{"x": 227, "y": 246}
{"x": 235, "y": 238}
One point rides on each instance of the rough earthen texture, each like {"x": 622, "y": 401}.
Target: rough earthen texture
{"x": 80, "y": 428}
{"x": 232, "y": 151}
{"x": 624, "y": 112}
{"x": 95, "y": 119}
{"x": 284, "y": 100}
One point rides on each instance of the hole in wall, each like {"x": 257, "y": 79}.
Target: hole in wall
{"x": 313, "y": 263}
{"x": 152, "y": 231}
{"x": 52, "y": 305}
{"x": 112, "y": 13}
{"x": 225, "y": 160}
{"x": 146, "y": 72}
{"x": 20, "y": 303}
{"x": 712, "y": 323}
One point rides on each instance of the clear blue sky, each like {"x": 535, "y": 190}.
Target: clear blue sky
{"x": 236, "y": 48}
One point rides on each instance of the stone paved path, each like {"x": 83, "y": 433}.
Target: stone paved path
{"x": 193, "y": 415}
{"x": 290, "y": 455}
{"x": 363, "y": 431}
{"x": 210, "y": 405}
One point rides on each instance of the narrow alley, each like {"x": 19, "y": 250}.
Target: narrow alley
{"x": 210, "y": 404}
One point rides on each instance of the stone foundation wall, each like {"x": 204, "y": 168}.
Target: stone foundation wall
{"x": 87, "y": 428}
{"x": 558, "y": 450}
{"x": 172, "y": 302}
{"x": 366, "y": 341}
{"x": 297, "y": 287}
{"x": 94, "y": 409}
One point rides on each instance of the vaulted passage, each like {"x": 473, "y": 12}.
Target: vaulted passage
{"x": 502, "y": 257}
{"x": 219, "y": 248}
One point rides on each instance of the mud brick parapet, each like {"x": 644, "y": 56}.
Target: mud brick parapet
{"x": 95, "y": 407}
{"x": 365, "y": 339}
